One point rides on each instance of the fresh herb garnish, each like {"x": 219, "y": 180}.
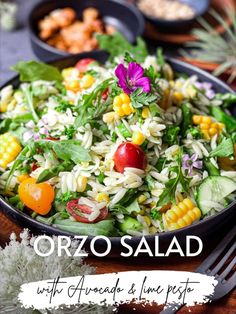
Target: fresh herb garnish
{"x": 140, "y": 99}
{"x": 35, "y": 71}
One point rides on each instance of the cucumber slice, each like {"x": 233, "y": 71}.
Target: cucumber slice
{"x": 212, "y": 191}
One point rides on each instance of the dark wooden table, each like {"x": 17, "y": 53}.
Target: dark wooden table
{"x": 226, "y": 305}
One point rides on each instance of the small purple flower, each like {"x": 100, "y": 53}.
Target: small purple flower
{"x": 206, "y": 88}
{"x": 191, "y": 162}
{"x": 131, "y": 78}
{"x": 34, "y": 131}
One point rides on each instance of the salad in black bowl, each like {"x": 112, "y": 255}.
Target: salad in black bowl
{"x": 136, "y": 146}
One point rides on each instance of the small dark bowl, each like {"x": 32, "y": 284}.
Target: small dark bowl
{"x": 206, "y": 229}
{"x": 125, "y": 17}
{"x": 199, "y": 6}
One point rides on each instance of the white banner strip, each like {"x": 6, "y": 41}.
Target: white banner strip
{"x": 162, "y": 287}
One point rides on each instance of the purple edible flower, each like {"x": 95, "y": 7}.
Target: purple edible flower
{"x": 34, "y": 131}
{"x": 191, "y": 162}
{"x": 131, "y": 78}
{"x": 206, "y": 88}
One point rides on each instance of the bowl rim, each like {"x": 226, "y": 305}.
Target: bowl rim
{"x": 34, "y": 36}
{"x": 175, "y": 21}
{"x": 9, "y": 209}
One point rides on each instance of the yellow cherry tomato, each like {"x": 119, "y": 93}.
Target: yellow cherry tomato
{"x": 36, "y": 196}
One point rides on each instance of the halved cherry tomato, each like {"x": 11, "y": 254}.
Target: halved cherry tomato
{"x": 36, "y": 196}
{"x": 105, "y": 94}
{"x": 81, "y": 212}
{"x": 82, "y": 65}
{"x": 34, "y": 166}
{"x": 129, "y": 155}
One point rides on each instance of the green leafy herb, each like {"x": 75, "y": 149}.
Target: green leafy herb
{"x": 168, "y": 195}
{"x": 71, "y": 150}
{"x": 66, "y": 197}
{"x": 160, "y": 164}
{"x": 211, "y": 169}
{"x": 101, "y": 177}
{"x": 34, "y": 71}
{"x": 195, "y": 132}
{"x": 152, "y": 74}
{"x": 224, "y": 149}
{"x": 27, "y": 90}
{"x": 123, "y": 130}
{"x": 140, "y": 99}
{"x": 221, "y": 116}
{"x": 69, "y": 131}
{"x": 91, "y": 106}
{"x": 104, "y": 227}
{"x": 187, "y": 118}
{"x": 117, "y": 45}
{"x": 171, "y": 135}
{"x": 47, "y": 174}
{"x": 63, "y": 104}
{"x": 150, "y": 181}
{"x": 156, "y": 214}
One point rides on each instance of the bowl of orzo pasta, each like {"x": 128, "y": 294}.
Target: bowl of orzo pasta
{"x": 136, "y": 145}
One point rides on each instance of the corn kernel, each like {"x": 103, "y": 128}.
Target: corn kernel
{"x": 87, "y": 81}
{"x": 70, "y": 72}
{"x": 10, "y": 148}
{"x": 3, "y": 106}
{"x": 212, "y": 131}
{"x": 221, "y": 126}
{"x": 146, "y": 113}
{"x": 73, "y": 85}
{"x": 122, "y": 105}
{"x": 181, "y": 215}
{"x": 102, "y": 197}
{"x": 206, "y": 120}
{"x": 125, "y": 98}
{"x": 178, "y": 97}
{"x": 142, "y": 198}
{"x": 197, "y": 119}
{"x": 138, "y": 138}
{"x": 147, "y": 220}
{"x": 81, "y": 183}
{"x": 110, "y": 117}
{"x": 204, "y": 126}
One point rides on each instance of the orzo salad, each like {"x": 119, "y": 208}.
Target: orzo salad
{"x": 129, "y": 147}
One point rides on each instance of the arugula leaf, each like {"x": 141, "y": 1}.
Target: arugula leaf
{"x": 224, "y": 149}
{"x": 211, "y": 169}
{"x": 123, "y": 130}
{"x": 4, "y": 125}
{"x": 30, "y": 101}
{"x": 71, "y": 150}
{"x": 187, "y": 118}
{"x": 91, "y": 106}
{"x": 117, "y": 45}
{"x": 47, "y": 174}
{"x": 104, "y": 227}
{"x": 34, "y": 71}
{"x": 140, "y": 99}
{"x": 221, "y": 116}
{"x": 171, "y": 135}
{"x": 168, "y": 195}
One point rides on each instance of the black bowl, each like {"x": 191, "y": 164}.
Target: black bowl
{"x": 205, "y": 228}
{"x": 125, "y": 17}
{"x": 200, "y": 7}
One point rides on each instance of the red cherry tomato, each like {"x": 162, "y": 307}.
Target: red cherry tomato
{"x": 129, "y": 155}
{"x": 105, "y": 94}
{"x": 81, "y": 212}
{"x": 34, "y": 166}
{"x": 82, "y": 65}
